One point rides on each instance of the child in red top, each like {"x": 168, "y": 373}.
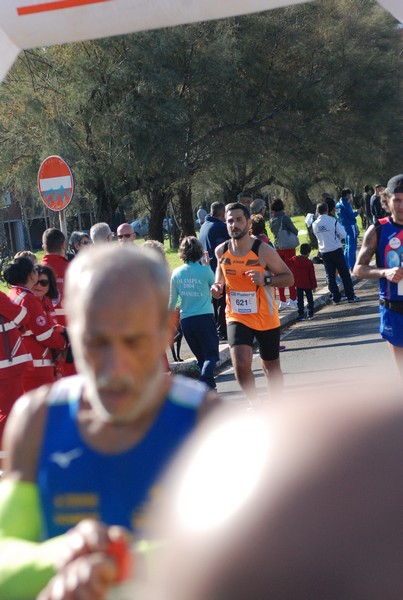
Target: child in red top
{"x": 305, "y": 280}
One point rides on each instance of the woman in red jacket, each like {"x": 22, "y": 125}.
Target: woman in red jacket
{"x": 40, "y": 336}
{"x": 47, "y": 292}
{"x": 14, "y": 357}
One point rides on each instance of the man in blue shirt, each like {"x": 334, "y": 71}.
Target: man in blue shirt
{"x": 347, "y": 217}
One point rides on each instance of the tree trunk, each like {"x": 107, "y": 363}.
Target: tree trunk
{"x": 303, "y": 200}
{"x": 158, "y": 200}
{"x": 184, "y": 214}
{"x": 230, "y": 193}
{"x": 105, "y": 204}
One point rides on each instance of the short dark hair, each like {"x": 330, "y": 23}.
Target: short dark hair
{"x": 368, "y": 188}
{"x": 322, "y": 208}
{"x": 18, "y": 271}
{"x": 190, "y": 249}
{"x": 238, "y": 206}
{"x": 305, "y": 249}
{"x": 53, "y": 240}
{"x": 331, "y": 204}
{"x": 277, "y": 205}
{"x": 345, "y": 192}
{"x": 216, "y": 208}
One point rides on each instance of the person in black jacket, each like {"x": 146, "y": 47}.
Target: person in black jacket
{"x": 368, "y": 193}
{"x": 214, "y": 232}
{"x": 377, "y": 210}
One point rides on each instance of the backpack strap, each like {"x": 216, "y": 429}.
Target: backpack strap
{"x": 226, "y": 246}
{"x": 255, "y": 247}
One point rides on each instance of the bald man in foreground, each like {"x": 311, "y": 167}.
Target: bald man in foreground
{"x": 302, "y": 501}
{"x": 90, "y": 449}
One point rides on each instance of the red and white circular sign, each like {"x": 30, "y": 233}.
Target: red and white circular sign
{"x": 55, "y": 183}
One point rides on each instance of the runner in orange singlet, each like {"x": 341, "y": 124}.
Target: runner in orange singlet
{"x": 251, "y": 270}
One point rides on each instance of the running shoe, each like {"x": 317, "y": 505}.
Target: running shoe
{"x": 292, "y": 304}
{"x": 282, "y": 305}
{"x": 355, "y": 299}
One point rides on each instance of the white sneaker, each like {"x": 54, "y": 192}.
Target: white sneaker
{"x": 292, "y": 304}
{"x": 281, "y": 305}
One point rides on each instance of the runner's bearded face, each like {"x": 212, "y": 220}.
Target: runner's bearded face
{"x": 237, "y": 224}
{"x": 395, "y": 202}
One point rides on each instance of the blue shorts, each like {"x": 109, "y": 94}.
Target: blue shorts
{"x": 391, "y": 328}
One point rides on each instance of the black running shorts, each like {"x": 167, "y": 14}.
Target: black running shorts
{"x": 268, "y": 340}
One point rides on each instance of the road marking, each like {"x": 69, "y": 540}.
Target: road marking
{"x": 55, "y": 5}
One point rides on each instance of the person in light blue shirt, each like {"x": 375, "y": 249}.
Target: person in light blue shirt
{"x": 191, "y": 283}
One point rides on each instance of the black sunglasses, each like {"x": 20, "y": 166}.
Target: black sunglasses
{"x": 43, "y": 282}
{"x": 122, "y": 235}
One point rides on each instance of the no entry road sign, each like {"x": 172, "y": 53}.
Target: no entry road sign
{"x": 55, "y": 183}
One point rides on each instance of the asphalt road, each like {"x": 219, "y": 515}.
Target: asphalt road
{"x": 340, "y": 345}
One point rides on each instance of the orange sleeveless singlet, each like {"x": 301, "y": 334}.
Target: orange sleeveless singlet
{"x": 247, "y": 303}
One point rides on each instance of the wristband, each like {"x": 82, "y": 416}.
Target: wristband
{"x": 120, "y": 551}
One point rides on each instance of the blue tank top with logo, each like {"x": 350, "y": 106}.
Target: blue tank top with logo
{"x": 77, "y": 482}
{"x": 390, "y": 254}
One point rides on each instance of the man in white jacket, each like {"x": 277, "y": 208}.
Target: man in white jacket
{"x": 330, "y": 233}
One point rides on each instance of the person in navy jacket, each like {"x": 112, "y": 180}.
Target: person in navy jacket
{"x": 214, "y": 232}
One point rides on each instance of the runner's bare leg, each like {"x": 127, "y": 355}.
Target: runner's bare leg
{"x": 241, "y": 357}
{"x": 274, "y": 374}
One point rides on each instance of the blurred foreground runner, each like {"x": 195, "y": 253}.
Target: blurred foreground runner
{"x": 93, "y": 446}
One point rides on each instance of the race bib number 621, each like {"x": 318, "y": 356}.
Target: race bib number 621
{"x": 243, "y": 302}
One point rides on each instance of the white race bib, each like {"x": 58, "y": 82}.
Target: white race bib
{"x": 243, "y": 302}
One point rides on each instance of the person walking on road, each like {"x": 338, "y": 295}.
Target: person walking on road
{"x": 348, "y": 218}
{"x": 330, "y": 234}
{"x": 385, "y": 240}
{"x": 251, "y": 270}
{"x": 191, "y": 283}
{"x": 278, "y": 222}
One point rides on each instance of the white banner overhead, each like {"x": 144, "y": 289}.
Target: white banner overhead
{"x": 34, "y": 23}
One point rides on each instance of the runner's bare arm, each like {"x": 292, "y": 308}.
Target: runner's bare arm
{"x": 218, "y": 285}
{"x": 26, "y": 565}
{"x": 272, "y": 262}
{"x": 23, "y": 436}
{"x": 364, "y": 270}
